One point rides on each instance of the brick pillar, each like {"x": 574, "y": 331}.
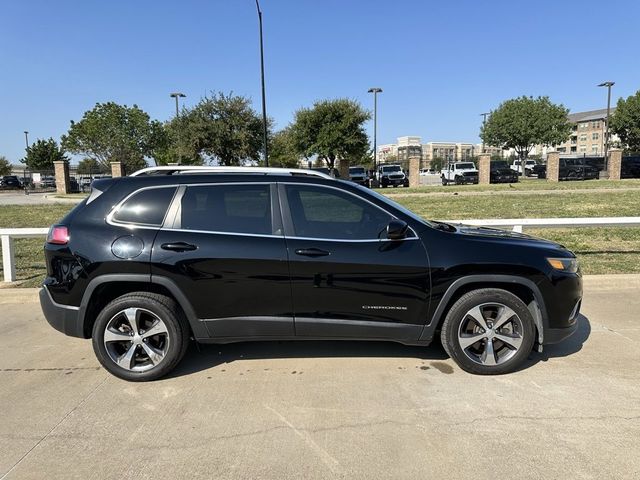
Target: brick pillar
{"x": 414, "y": 171}
{"x": 62, "y": 177}
{"x": 553, "y": 167}
{"x": 343, "y": 168}
{"x": 615, "y": 163}
{"x": 484, "y": 168}
{"x": 117, "y": 169}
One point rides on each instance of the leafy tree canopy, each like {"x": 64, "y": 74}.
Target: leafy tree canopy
{"x": 282, "y": 150}
{"x": 523, "y": 122}
{"x": 42, "y": 153}
{"x": 223, "y": 128}
{"x": 331, "y": 129}
{"x": 625, "y": 121}
{"x": 5, "y": 166}
{"x": 111, "y": 132}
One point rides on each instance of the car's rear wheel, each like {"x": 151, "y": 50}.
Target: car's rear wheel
{"x": 140, "y": 336}
{"x": 488, "y": 331}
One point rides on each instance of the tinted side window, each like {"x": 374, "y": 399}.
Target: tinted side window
{"x": 227, "y": 208}
{"x": 319, "y": 212}
{"x": 146, "y": 207}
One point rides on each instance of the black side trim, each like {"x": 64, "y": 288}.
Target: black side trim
{"x": 329, "y": 328}
{"x": 256, "y": 326}
{"x": 429, "y": 328}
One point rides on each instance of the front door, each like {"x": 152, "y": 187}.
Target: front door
{"x": 347, "y": 279}
{"x": 226, "y": 252}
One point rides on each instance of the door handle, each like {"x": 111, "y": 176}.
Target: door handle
{"x": 312, "y": 252}
{"x": 178, "y": 247}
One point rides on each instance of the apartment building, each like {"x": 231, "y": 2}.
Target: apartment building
{"x": 587, "y": 135}
{"x": 412, "y": 146}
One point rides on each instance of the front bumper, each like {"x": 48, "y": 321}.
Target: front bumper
{"x": 63, "y": 318}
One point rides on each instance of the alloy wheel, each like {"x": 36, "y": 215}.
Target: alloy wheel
{"x": 136, "y": 339}
{"x": 490, "y": 334}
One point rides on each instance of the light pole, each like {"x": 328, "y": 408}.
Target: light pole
{"x": 177, "y": 96}
{"x": 264, "y": 100}
{"x": 484, "y": 120}
{"x": 26, "y": 138}
{"x": 606, "y": 124}
{"x": 375, "y": 91}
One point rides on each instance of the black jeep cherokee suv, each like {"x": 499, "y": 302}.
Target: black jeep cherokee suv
{"x": 227, "y": 255}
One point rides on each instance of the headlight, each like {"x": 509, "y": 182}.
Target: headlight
{"x": 568, "y": 265}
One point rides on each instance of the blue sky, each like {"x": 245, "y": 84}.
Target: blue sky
{"x": 440, "y": 63}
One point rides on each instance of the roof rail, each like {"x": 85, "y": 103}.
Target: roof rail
{"x": 178, "y": 169}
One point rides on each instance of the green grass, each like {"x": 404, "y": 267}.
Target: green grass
{"x": 528, "y": 184}
{"x": 601, "y": 250}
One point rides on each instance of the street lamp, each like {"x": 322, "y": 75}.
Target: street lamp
{"x": 264, "y": 101}
{"x": 177, "y": 95}
{"x": 484, "y": 120}
{"x": 606, "y": 124}
{"x": 375, "y": 91}
{"x": 26, "y": 138}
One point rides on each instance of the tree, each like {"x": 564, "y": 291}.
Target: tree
{"x": 42, "y": 153}
{"x": 437, "y": 163}
{"x": 282, "y": 150}
{"x": 331, "y": 129}
{"x": 222, "y": 128}
{"x": 88, "y": 166}
{"x": 5, "y": 166}
{"x": 114, "y": 133}
{"x": 625, "y": 121}
{"x": 523, "y": 122}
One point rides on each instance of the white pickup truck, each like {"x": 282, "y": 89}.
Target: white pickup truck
{"x": 460, "y": 173}
{"x": 528, "y": 167}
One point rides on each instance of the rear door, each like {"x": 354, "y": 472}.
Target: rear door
{"x": 347, "y": 279}
{"x": 226, "y": 251}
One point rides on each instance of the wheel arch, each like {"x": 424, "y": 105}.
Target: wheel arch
{"x": 105, "y": 288}
{"x": 521, "y": 287}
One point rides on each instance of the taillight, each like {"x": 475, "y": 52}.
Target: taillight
{"x": 58, "y": 235}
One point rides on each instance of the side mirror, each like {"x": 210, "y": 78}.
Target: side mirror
{"x": 397, "y": 229}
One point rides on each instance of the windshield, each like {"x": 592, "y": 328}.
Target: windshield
{"x": 465, "y": 165}
{"x": 393, "y": 204}
{"x": 356, "y": 170}
{"x": 391, "y": 168}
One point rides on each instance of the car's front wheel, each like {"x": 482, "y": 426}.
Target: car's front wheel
{"x": 140, "y": 336}
{"x": 488, "y": 331}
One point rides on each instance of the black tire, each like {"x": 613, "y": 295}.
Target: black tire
{"x": 458, "y": 180}
{"x": 176, "y": 335}
{"x": 444, "y": 181}
{"x": 458, "y": 316}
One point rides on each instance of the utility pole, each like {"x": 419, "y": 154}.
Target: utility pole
{"x": 484, "y": 120}
{"x": 177, "y": 96}
{"x": 606, "y": 124}
{"x": 26, "y": 138}
{"x": 264, "y": 100}
{"x": 375, "y": 91}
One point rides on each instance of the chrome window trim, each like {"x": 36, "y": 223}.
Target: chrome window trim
{"x": 148, "y": 226}
{"x": 415, "y": 235}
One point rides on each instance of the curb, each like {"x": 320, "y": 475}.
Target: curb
{"x": 627, "y": 281}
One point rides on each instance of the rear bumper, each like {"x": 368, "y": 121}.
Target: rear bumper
{"x": 63, "y": 318}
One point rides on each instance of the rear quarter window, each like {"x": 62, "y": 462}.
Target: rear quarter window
{"x": 145, "y": 207}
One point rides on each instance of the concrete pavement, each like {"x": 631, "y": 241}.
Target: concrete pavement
{"x": 326, "y": 409}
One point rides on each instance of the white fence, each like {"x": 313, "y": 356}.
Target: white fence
{"x": 516, "y": 224}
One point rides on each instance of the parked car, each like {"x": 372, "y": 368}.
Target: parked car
{"x": 529, "y": 165}
{"x": 630, "y": 167}
{"x": 539, "y": 170}
{"x": 576, "y": 169}
{"x": 74, "y": 186}
{"x": 359, "y": 175}
{"x": 149, "y": 261}
{"x": 460, "y": 173}
{"x": 332, "y": 173}
{"x": 500, "y": 172}
{"x": 427, "y": 171}
{"x": 392, "y": 176}
{"x": 10, "y": 182}
{"x": 48, "y": 182}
